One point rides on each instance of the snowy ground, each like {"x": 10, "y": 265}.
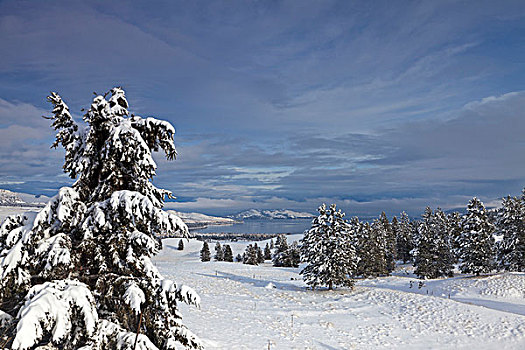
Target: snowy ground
{"x": 251, "y": 307}
{"x": 5, "y": 211}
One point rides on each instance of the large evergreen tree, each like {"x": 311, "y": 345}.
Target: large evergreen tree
{"x": 476, "y": 241}
{"x": 327, "y": 250}
{"x": 511, "y": 249}
{"x": 79, "y": 275}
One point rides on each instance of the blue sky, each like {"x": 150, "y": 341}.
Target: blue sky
{"x": 376, "y": 105}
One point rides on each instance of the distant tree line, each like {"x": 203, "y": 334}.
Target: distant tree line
{"x": 221, "y": 236}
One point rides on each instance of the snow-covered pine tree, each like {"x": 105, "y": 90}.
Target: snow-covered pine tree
{"x": 291, "y": 257}
{"x": 404, "y": 239}
{"x": 219, "y": 253}
{"x": 511, "y": 249}
{"x": 79, "y": 274}
{"x": 327, "y": 250}
{"x": 260, "y": 255}
{"x": 181, "y": 245}
{"x": 454, "y": 232}
{"x": 228, "y": 254}
{"x": 280, "y": 257}
{"x": 443, "y": 245}
{"x": 433, "y": 253}
{"x": 281, "y": 244}
{"x": 372, "y": 250}
{"x": 250, "y": 255}
{"x": 294, "y": 254}
{"x": 390, "y": 241}
{"x": 239, "y": 258}
{"x": 267, "y": 252}
{"x": 205, "y": 252}
{"x": 271, "y": 244}
{"x": 476, "y": 240}
{"x": 423, "y": 253}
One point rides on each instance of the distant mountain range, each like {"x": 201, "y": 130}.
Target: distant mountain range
{"x": 194, "y": 220}
{"x": 275, "y": 214}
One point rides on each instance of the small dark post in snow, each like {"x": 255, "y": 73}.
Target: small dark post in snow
{"x": 269, "y": 344}
{"x": 215, "y": 272}
{"x": 292, "y": 320}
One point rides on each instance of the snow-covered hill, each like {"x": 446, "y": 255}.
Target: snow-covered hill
{"x": 9, "y": 198}
{"x": 198, "y": 219}
{"x": 275, "y": 310}
{"x": 255, "y": 214}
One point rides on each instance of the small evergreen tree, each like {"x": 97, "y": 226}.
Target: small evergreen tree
{"x": 291, "y": 257}
{"x": 294, "y": 254}
{"x": 239, "y": 258}
{"x": 260, "y": 255}
{"x": 205, "y": 252}
{"x": 328, "y": 251}
{"x": 476, "y": 240}
{"x": 280, "y": 257}
{"x": 250, "y": 255}
{"x": 281, "y": 244}
{"x": 219, "y": 253}
{"x": 267, "y": 252}
{"x": 271, "y": 244}
{"x": 181, "y": 245}
{"x": 511, "y": 249}
{"x": 228, "y": 254}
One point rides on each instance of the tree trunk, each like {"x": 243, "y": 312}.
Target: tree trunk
{"x": 330, "y": 285}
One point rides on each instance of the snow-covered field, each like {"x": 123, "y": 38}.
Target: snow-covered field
{"x": 252, "y": 307}
{"x": 5, "y": 211}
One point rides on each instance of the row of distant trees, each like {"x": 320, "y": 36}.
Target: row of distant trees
{"x": 336, "y": 250}
{"x": 281, "y": 253}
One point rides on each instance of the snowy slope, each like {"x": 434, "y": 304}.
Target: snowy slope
{"x": 202, "y": 219}
{"x": 5, "y": 211}
{"x": 241, "y": 309}
{"x": 9, "y": 198}
{"x": 253, "y": 214}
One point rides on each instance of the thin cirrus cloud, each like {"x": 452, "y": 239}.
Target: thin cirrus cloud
{"x": 282, "y": 104}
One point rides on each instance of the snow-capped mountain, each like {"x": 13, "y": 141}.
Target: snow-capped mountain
{"x": 198, "y": 219}
{"x": 255, "y": 214}
{"x": 9, "y": 198}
